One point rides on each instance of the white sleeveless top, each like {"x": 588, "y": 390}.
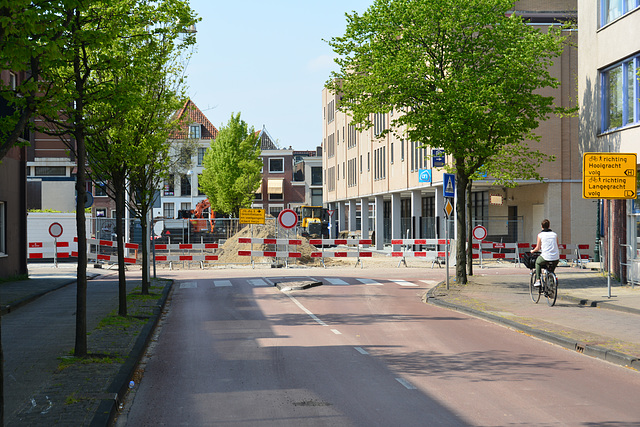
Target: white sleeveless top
{"x": 548, "y": 245}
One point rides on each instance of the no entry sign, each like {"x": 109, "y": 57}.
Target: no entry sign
{"x": 55, "y": 229}
{"x": 288, "y": 218}
{"x": 479, "y": 232}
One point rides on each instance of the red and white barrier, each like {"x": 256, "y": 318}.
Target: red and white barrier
{"x": 42, "y": 250}
{"x": 336, "y": 242}
{"x": 271, "y": 254}
{"x": 186, "y": 246}
{"x": 261, "y": 241}
{"x": 199, "y": 258}
{"x": 341, "y": 254}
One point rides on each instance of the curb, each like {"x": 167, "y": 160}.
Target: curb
{"x": 108, "y": 408}
{"x": 603, "y": 353}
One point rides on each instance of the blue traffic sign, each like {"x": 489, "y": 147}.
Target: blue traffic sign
{"x": 424, "y": 175}
{"x": 437, "y": 158}
{"x": 449, "y": 185}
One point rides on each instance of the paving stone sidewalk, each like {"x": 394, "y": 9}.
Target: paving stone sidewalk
{"x": 585, "y": 318}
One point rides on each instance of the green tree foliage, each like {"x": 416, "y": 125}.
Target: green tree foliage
{"x": 463, "y": 74}
{"x": 139, "y": 94}
{"x": 232, "y": 167}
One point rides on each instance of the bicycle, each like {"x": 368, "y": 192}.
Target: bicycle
{"x": 548, "y": 285}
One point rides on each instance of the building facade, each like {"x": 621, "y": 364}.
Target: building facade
{"x": 609, "y": 60}
{"x": 13, "y": 197}
{"x": 394, "y": 187}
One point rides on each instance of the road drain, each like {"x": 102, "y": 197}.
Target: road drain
{"x": 580, "y": 348}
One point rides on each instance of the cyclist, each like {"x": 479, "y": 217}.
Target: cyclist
{"x": 547, "y": 245}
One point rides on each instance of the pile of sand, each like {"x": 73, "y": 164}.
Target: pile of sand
{"x": 228, "y": 253}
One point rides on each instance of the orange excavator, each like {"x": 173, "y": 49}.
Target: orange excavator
{"x": 202, "y": 219}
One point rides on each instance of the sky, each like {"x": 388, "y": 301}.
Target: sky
{"x": 268, "y": 61}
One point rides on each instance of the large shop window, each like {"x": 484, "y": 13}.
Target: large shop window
{"x": 620, "y": 105}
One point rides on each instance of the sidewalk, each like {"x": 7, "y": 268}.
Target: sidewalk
{"x": 43, "y": 385}
{"x": 584, "y": 318}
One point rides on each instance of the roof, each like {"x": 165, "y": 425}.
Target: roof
{"x": 266, "y": 142}
{"x": 191, "y": 114}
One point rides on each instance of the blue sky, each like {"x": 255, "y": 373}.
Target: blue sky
{"x": 267, "y": 60}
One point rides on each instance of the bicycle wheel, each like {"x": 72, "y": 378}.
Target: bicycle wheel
{"x": 551, "y": 288}
{"x": 535, "y": 292}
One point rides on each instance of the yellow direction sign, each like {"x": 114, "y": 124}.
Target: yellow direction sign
{"x": 251, "y": 216}
{"x": 609, "y": 176}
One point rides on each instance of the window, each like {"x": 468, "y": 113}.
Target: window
{"x": 316, "y": 197}
{"x": 331, "y": 178}
{"x": 200, "y": 192}
{"x": 257, "y": 196}
{"x": 167, "y": 210}
{"x": 402, "y": 150}
{"x": 168, "y": 186}
{"x": 331, "y": 147}
{"x": 316, "y": 175}
{"x": 185, "y": 185}
{"x": 185, "y": 206}
{"x": 51, "y": 170}
{"x": 194, "y": 131}
{"x": 3, "y": 228}
{"x": 201, "y": 152}
{"x": 13, "y": 82}
{"x": 620, "y": 95}
{"x": 275, "y": 210}
{"x": 391, "y": 154}
{"x": 379, "y": 123}
{"x": 351, "y": 136}
{"x": 100, "y": 189}
{"x": 352, "y": 172}
{"x": 331, "y": 111}
{"x": 276, "y": 165}
{"x": 610, "y": 10}
{"x": 276, "y": 196}
{"x": 379, "y": 163}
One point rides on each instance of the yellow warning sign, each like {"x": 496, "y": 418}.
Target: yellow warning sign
{"x": 609, "y": 176}
{"x": 251, "y": 216}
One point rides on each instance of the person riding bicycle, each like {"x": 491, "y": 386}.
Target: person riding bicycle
{"x": 547, "y": 245}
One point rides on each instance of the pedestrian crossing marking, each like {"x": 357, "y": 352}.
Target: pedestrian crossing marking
{"x": 369, "y": 282}
{"x": 430, "y": 282}
{"x": 221, "y": 283}
{"x": 335, "y": 281}
{"x": 188, "y": 285}
{"x": 404, "y": 283}
{"x": 258, "y": 282}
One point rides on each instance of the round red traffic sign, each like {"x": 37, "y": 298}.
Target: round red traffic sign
{"x": 288, "y": 218}
{"x": 479, "y": 232}
{"x": 55, "y": 229}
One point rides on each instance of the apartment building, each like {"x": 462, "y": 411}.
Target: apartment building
{"x": 609, "y": 60}
{"x": 394, "y": 187}
{"x": 181, "y": 190}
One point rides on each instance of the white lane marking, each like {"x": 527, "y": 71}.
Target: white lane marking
{"x": 430, "y": 282}
{"x": 221, "y": 283}
{"x": 335, "y": 281}
{"x": 369, "y": 282}
{"x": 337, "y": 332}
{"x": 404, "y": 283}
{"x": 258, "y": 282}
{"x": 361, "y": 350}
{"x": 303, "y": 308}
{"x": 406, "y": 384}
{"x": 188, "y": 285}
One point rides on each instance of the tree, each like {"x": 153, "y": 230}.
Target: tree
{"x": 232, "y": 167}
{"x": 135, "y": 90}
{"x": 465, "y": 76}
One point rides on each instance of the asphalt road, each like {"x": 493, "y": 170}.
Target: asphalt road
{"x": 361, "y": 350}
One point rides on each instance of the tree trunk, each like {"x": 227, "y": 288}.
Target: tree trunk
{"x": 81, "y": 294}
{"x": 470, "y": 229}
{"x": 145, "y": 255}
{"x": 122, "y": 279}
{"x": 461, "y": 238}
